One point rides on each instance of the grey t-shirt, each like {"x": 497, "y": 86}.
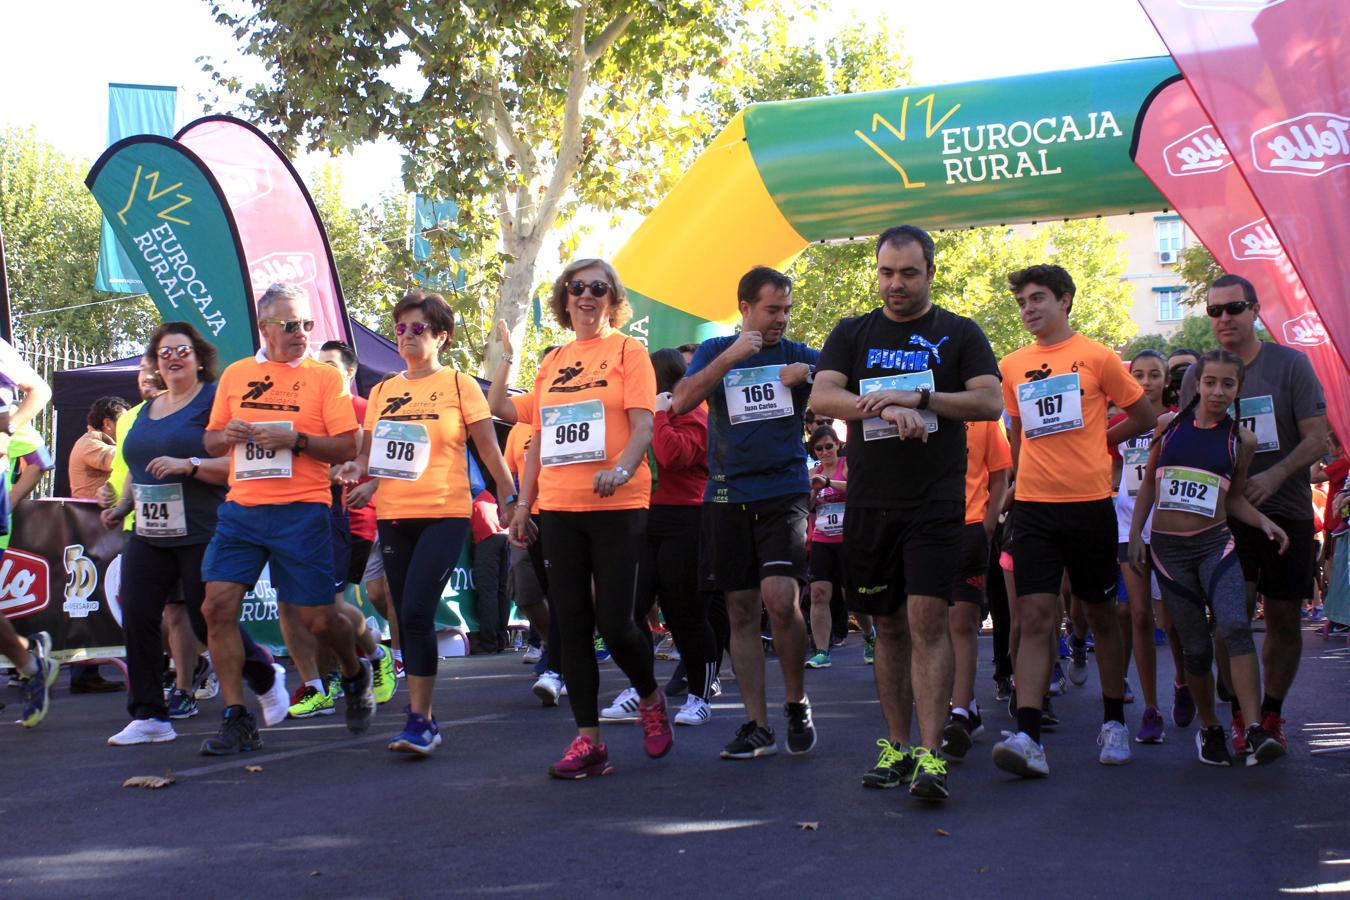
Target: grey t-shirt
{"x": 1279, "y": 390}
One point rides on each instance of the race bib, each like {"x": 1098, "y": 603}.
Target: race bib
{"x": 1050, "y": 405}
{"x": 1134, "y": 461}
{"x": 573, "y": 433}
{"x": 252, "y": 462}
{"x": 1188, "y": 490}
{"x": 877, "y": 428}
{"x": 830, "y": 519}
{"x": 755, "y": 394}
{"x": 399, "y": 450}
{"x": 1258, "y": 417}
{"x": 160, "y": 511}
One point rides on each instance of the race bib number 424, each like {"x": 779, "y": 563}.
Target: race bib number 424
{"x": 160, "y": 511}
{"x": 755, "y": 394}
{"x": 573, "y": 433}
{"x": 1050, "y": 405}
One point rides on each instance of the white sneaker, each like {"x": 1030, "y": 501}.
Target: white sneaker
{"x": 276, "y": 702}
{"x": 624, "y": 708}
{"x": 548, "y": 688}
{"x": 1114, "y": 739}
{"x": 532, "y": 655}
{"x": 1020, "y": 755}
{"x": 143, "y": 731}
{"x": 695, "y": 711}
{"x": 209, "y": 687}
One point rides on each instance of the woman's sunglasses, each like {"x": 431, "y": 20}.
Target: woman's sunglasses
{"x": 416, "y": 328}
{"x": 597, "y": 288}
{"x": 291, "y": 326}
{"x": 820, "y": 447}
{"x": 1236, "y": 308}
{"x": 183, "y": 351}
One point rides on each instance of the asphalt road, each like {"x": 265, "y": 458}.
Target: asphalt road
{"x": 330, "y": 815}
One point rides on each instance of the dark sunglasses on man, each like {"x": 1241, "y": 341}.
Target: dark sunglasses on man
{"x": 597, "y": 288}
{"x": 291, "y": 326}
{"x": 1236, "y": 308}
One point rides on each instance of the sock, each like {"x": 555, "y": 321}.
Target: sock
{"x": 29, "y": 670}
{"x": 398, "y": 654}
{"x": 1114, "y": 709}
{"x": 318, "y": 685}
{"x": 1271, "y": 704}
{"x": 1029, "y": 721}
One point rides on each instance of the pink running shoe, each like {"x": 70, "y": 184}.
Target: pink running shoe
{"x": 657, "y": 735}
{"x": 583, "y": 758}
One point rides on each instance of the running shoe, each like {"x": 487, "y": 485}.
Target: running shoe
{"x": 1003, "y": 689}
{"x": 1238, "y": 735}
{"x": 801, "y": 732}
{"x": 624, "y": 708}
{"x": 399, "y": 671}
{"x": 678, "y": 683}
{"x": 695, "y": 711}
{"x": 93, "y": 684}
{"x": 182, "y": 705}
{"x": 1183, "y": 706}
{"x": 238, "y": 734}
{"x": 205, "y": 683}
{"x": 334, "y": 684}
{"x": 894, "y": 767}
{"x": 386, "y": 681}
{"x": 929, "y": 781}
{"x": 308, "y": 701}
{"x": 420, "y": 735}
{"x": 1151, "y": 728}
{"x": 37, "y": 687}
{"x": 1273, "y": 725}
{"x": 657, "y": 737}
{"x": 715, "y": 689}
{"x": 1063, "y": 648}
{"x": 1058, "y": 683}
{"x": 1020, "y": 755}
{"x": 360, "y": 693}
{"x": 1114, "y": 739}
{"x": 870, "y": 649}
{"x": 751, "y": 740}
{"x": 275, "y": 705}
{"x": 144, "y": 731}
{"x": 1128, "y": 694}
{"x": 601, "y": 651}
{"x": 532, "y": 655}
{"x": 1263, "y": 744}
{"x": 583, "y": 758}
{"x": 1211, "y": 745}
{"x": 821, "y": 660}
{"x": 958, "y": 735}
{"x": 548, "y": 688}
{"x": 1049, "y": 721}
{"x": 44, "y": 642}
{"x": 1078, "y": 670}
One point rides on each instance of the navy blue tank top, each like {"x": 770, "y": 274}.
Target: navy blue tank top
{"x": 1212, "y": 450}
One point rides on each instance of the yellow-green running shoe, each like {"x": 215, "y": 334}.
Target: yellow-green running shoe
{"x": 386, "y": 682}
{"x": 929, "y": 781}
{"x": 308, "y": 701}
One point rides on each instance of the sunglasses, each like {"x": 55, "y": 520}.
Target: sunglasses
{"x": 1236, "y": 308}
{"x": 820, "y": 447}
{"x": 416, "y": 328}
{"x": 598, "y": 288}
{"x": 291, "y": 326}
{"x": 182, "y": 351}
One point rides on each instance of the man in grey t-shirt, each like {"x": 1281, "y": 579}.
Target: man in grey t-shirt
{"x": 1282, "y": 403}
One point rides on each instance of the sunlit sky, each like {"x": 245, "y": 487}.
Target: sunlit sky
{"x": 57, "y": 60}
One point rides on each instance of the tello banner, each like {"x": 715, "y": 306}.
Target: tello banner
{"x": 1312, "y": 145}
{"x": 1197, "y": 153}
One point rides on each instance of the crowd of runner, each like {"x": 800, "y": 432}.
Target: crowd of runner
{"x": 900, "y": 480}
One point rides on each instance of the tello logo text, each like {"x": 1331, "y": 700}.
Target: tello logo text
{"x": 1197, "y": 153}
{"x": 1311, "y": 144}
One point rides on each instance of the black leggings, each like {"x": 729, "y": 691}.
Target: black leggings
{"x": 555, "y": 645}
{"x": 668, "y": 572}
{"x": 419, "y": 555}
{"x": 996, "y": 590}
{"x": 149, "y": 576}
{"x": 601, "y": 547}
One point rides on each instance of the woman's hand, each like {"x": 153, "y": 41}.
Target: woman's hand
{"x": 111, "y": 518}
{"x": 359, "y": 497}
{"x": 610, "y": 480}
{"x": 1138, "y": 554}
{"x": 522, "y": 532}
{"x": 1275, "y": 533}
{"x": 504, "y": 335}
{"x": 164, "y": 466}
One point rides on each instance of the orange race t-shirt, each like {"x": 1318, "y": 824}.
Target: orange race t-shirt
{"x": 1058, "y": 395}
{"x": 584, "y": 391}
{"x": 309, "y": 396}
{"x": 517, "y": 443}
{"x": 987, "y": 451}
{"x": 418, "y": 429}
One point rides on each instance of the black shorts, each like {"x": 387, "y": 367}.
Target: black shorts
{"x": 893, "y": 553}
{"x": 744, "y": 543}
{"x": 1054, "y": 538}
{"x": 360, "y": 555}
{"x": 827, "y": 562}
{"x": 969, "y": 584}
{"x": 340, "y": 537}
{"x": 1277, "y": 577}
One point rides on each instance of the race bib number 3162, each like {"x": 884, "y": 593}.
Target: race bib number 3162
{"x": 574, "y": 433}
{"x": 1188, "y": 490}
{"x": 755, "y": 394}
{"x": 1050, "y": 405}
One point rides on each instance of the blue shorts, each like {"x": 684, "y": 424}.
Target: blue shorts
{"x": 292, "y": 537}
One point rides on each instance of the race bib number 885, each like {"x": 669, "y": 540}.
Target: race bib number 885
{"x": 252, "y": 462}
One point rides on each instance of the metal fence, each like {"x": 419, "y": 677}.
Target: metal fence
{"x": 48, "y": 355}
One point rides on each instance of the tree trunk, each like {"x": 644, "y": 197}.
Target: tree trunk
{"x": 514, "y": 303}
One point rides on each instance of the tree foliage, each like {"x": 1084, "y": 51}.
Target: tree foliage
{"x": 51, "y": 228}
{"x": 1197, "y": 269}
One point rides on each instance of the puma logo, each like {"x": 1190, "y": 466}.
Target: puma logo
{"x": 258, "y": 388}
{"x": 395, "y": 404}
{"x": 567, "y": 373}
{"x": 1039, "y": 374}
{"x": 918, "y": 340}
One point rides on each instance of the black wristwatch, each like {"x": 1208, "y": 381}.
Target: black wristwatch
{"x": 301, "y": 442}
{"x": 196, "y": 464}
{"x": 924, "y": 396}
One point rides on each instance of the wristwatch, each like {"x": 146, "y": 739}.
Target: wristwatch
{"x": 196, "y": 464}
{"x": 509, "y": 499}
{"x": 301, "y": 442}
{"x": 924, "y": 396}
{"x": 624, "y": 472}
